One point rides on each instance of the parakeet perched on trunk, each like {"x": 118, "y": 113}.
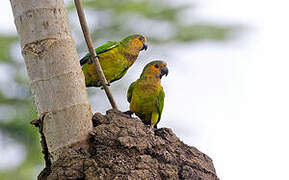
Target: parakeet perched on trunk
{"x": 115, "y": 59}
{"x": 146, "y": 95}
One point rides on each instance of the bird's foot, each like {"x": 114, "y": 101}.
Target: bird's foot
{"x": 90, "y": 61}
{"x": 108, "y": 84}
{"x": 129, "y": 113}
{"x": 152, "y": 128}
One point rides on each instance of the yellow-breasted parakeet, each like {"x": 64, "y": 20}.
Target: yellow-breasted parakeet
{"x": 115, "y": 58}
{"x": 146, "y": 95}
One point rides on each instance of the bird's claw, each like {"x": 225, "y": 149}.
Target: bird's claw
{"x": 90, "y": 61}
{"x": 152, "y": 128}
{"x": 129, "y": 113}
{"x": 108, "y": 84}
{"x": 94, "y": 57}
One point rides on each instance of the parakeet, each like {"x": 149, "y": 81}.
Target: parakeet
{"x": 146, "y": 95}
{"x": 115, "y": 58}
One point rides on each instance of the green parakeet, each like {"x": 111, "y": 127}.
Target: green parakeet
{"x": 146, "y": 95}
{"x": 115, "y": 58}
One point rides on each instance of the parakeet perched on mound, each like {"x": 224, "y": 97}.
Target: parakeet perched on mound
{"x": 146, "y": 95}
{"x": 115, "y": 58}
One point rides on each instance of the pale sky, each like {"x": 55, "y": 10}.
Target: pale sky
{"x": 234, "y": 102}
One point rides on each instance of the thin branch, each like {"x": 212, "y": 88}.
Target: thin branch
{"x": 92, "y": 52}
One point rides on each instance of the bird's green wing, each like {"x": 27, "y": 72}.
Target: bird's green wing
{"x": 101, "y": 49}
{"x": 106, "y": 47}
{"x": 160, "y": 103}
{"x": 130, "y": 90}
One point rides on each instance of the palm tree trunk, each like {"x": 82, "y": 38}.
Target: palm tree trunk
{"x": 57, "y": 81}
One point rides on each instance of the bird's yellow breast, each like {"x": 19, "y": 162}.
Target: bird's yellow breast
{"x": 144, "y": 100}
{"x": 113, "y": 64}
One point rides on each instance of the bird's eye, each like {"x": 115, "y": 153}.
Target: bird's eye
{"x": 157, "y": 66}
{"x": 140, "y": 38}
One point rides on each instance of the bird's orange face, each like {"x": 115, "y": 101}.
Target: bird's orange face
{"x": 157, "y": 69}
{"x": 138, "y": 42}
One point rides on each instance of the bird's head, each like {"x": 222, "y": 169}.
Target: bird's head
{"x": 136, "y": 42}
{"x": 156, "y": 69}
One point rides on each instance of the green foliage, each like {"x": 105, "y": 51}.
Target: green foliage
{"x": 23, "y": 132}
{"x": 114, "y": 19}
{"x": 16, "y": 124}
{"x": 20, "y": 111}
{"x": 5, "y": 48}
{"x": 199, "y": 32}
{"x": 160, "y": 10}
{"x": 120, "y": 18}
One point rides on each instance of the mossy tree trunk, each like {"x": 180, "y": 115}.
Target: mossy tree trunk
{"x": 56, "y": 79}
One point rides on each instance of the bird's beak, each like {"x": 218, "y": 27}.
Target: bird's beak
{"x": 164, "y": 71}
{"x": 145, "y": 47}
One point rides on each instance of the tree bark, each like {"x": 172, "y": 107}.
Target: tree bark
{"x": 56, "y": 79}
